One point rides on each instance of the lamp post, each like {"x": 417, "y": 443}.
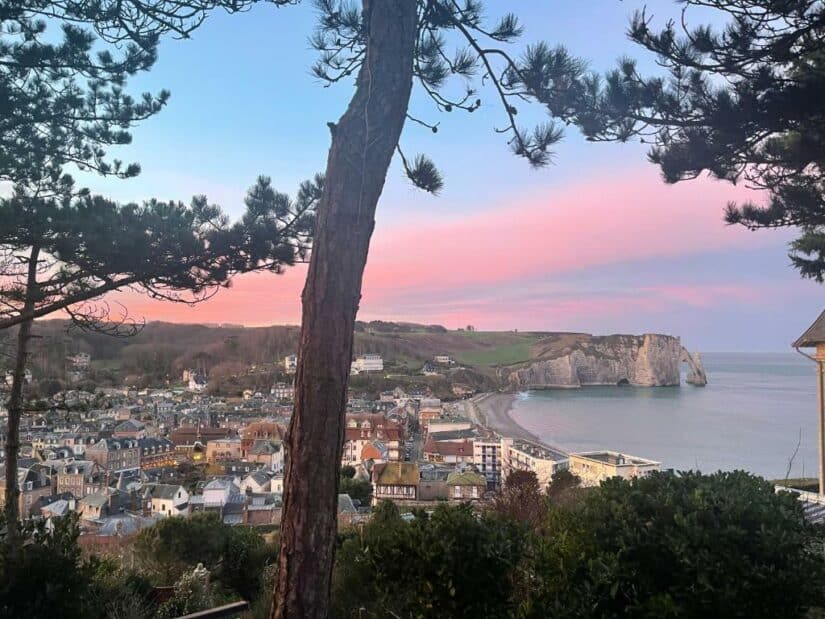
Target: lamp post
{"x": 814, "y": 337}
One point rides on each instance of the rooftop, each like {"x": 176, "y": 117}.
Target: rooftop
{"x": 614, "y": 458}
{"x": 814, "y": 335}
{"x": 403, "y": 473}
{"x": 539, "y": 451}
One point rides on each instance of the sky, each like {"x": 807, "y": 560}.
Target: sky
{"x": 595, "y": 242}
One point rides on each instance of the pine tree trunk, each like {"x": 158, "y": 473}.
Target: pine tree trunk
{"x": 15, "y": 404}
{"x": 362, "y": 147}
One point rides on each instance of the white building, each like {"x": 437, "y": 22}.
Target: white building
{"x": 283, "y": 391}
{"x": 166, "y": 499}
{"x": 197, "y": 382}
{"x": 448, "y": 424}
{"x": 219, "y": 492}
{"x": 487, "y": 459}
{"x": 593, "y": 467}
{"x": 291, "y": 364}
{"x": 369, "y": 362}
{"x": 443, "y": 359}
{"x": 80, "y": 361}
{"x": 521, "y": 455}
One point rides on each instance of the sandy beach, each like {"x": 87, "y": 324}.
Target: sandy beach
{"x": 493, "y": 411}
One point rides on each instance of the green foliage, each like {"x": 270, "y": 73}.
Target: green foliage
{"x": 666, "y": 545}
{"x": 88, "y": 246}
{"x": 48, "y": 575}
{"x": 237, "y": 555}
{"x": 64, "y": 67}
{"x": 45, "y": 574}
{"x": 521, "y": 499}
{"x": 347, "y": 471}
{"x": 742, "y": 103}
{"x": 692, "y": 545}
{"x": 193, "y": 593}
{"x": 359, "y": 489}
{"x": 564, "y": 488}
{"x": 459, "y": 53}
{"x": 449, "y": 564}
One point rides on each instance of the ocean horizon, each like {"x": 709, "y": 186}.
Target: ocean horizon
{"x": 758, "y": 413}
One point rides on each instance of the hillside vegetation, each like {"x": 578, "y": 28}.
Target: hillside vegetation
{"x": 161, "y": 351}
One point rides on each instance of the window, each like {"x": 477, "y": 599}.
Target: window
{"x": 457, "y": 492}
{"x": 475, "y": 492}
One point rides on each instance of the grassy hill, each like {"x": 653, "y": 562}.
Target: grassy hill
{"x": 163, "y": 350}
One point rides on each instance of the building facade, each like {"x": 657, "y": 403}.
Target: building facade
{"x": 593, "y": 467}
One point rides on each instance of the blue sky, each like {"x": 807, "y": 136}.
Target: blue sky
{"x": 244, "y": 103}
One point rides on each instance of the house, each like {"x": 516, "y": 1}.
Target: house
{"x": 347, "y": 512}
{"x": 81, "y": 361}
{"x": 431, "y": 369}
{"x": 395, "y": 481}
{"x": 283, "y": 391}
{"x": 450, "y": 424}
{"x": 223, "y": 449}
{"x": 156, "y": 453}
{"x": 594, "y": 467}
{"x": 268, "y": 453}
{"x": 115, "y": 455}
{"x": 34, "y": 482}
{"x": 79, "y": 477}
{"x": 432, "y": 485}
{"x": 105, "y": 502}
{"x": 262, "y": 508}
{"x": 165, "y": 500}
{"x": 257, "y": 481}
{"x": 260, "y": 430}
{"x": 131, "y": 428}
{"x": 462, "y": 390}
{"x": 429, "y": 409}
{"x": 197, "y": 382}
{"x": 449, "y": 452}
{"x": 363, "y": 429}
{"x": 369, "y": 362}
{"x": 291, "y": 364}
{"x": 185, "y": 437}
{"x": 466, "y": 486}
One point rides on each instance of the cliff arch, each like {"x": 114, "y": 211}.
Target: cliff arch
{"x": 696, "y": 372}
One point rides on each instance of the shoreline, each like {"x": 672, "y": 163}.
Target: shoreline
{"x": 493, "y": 411}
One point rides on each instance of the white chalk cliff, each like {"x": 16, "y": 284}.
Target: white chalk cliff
{"x": 576, "y": 360}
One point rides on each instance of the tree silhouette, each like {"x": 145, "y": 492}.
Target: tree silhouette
{"x": 449, "y": 51}
{"x": 63, "y": 255}
{"x": 743, "y": 104}
{"x": 63, "y": 98}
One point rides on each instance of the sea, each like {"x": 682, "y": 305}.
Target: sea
{"x": 757, "y": 412}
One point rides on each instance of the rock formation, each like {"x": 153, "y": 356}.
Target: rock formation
{"x": 568, "y": 360}
{"x": 696, "y": 372}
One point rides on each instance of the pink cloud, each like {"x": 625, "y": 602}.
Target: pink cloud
{"x": 586, "y": 225}
{"x": 536, "y": 237}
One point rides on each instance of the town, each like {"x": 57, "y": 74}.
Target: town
{"x": 124, "y": 458}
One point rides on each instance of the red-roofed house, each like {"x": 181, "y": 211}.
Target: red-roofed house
{"x": 450, "y": 452}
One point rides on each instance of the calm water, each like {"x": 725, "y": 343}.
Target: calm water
{"x": 748, "y": 416}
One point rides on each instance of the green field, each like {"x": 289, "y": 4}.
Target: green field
{"x": 499, "y": 349}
